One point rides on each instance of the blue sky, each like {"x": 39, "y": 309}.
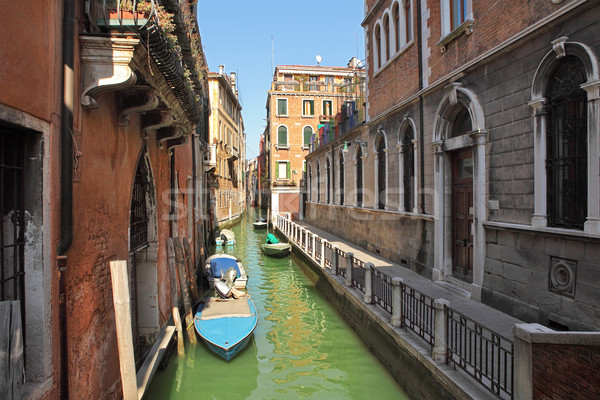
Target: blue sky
{"x": 237, "y": 34}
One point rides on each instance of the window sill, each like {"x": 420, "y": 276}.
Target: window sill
{"x": 278, "y": 147}
{"x": 305, "y": 147}
{"x": 466, "y": 28}
{"x": 308, "y": 116}
{"x": 282, "y": 115}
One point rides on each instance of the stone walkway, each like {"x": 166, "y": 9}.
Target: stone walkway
{"x": 487, "y": 316}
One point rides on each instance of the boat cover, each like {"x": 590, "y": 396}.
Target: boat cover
{"x": 271, "y": 239}
{"x": 220, "y": 265}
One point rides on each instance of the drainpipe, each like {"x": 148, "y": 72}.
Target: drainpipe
{"x": 421, "y": 119}
{"x": 66, "y": 183}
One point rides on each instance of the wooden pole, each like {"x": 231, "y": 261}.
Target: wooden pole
{"x": 187, "y": 303}
{"x": 178, "y": 327}
{"x": 120, "y": 288}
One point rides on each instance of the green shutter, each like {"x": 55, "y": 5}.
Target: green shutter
{"x": 281, "y": 107}
{"x": 288, "y": 172}
{"x": 282, "y": 136}
{"x": 312, "y": 107}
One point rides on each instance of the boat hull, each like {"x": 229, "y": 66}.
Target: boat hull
{"x": 226, "y": 326}
{"x": 260, "y": 225}
{"x": 277, "y": 249}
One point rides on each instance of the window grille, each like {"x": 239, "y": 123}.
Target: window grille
{"x": 12, "y": 210}
{"x": 138, "y": 223}
{"x": 566, "y": 162}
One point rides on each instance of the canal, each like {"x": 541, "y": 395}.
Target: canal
{"x": 301, "y": 347}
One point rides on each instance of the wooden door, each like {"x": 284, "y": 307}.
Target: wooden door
{"x": 462, "y": 215}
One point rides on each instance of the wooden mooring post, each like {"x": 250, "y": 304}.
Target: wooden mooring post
{"x": 121, "y": 300}
{"x": 185, "y": 290}
{"x": 174, "y": 297}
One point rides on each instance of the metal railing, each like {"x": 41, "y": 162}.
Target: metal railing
{"x": 417, "y": 313}
{"x": 481, "y": 353}
{"x": 318, "y": 241}
{"x": 382, "y": 290}
{"x": 358, "y": 274}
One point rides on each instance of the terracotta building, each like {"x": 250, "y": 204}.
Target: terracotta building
{"x": 478, "y": 163}
{"x": 228, "y": 140}
{"x": 103, "y": 128}
{"x": 303, "y": 109}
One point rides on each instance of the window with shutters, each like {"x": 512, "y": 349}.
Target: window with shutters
{"x": 308, "y": 132}
{"x": 282, "y": 107}
{"x": 282, "y": 137}
{"x": 308, "y": 108}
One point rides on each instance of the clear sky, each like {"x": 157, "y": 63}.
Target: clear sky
{"x": 238, "y": 33}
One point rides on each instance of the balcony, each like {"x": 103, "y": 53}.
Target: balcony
{"x": 135, "y": 48}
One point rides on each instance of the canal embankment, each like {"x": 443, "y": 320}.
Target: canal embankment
{"x": 436, "y": 343}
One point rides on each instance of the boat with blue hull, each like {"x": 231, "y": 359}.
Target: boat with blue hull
{"x": 226, "y": 325}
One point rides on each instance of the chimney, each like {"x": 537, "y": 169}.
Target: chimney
{"x": 221, "y": 67}
{"x": 233, "y": 82}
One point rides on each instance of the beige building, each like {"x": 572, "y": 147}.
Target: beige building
{"x": 228, "y": 149}
{"x": 303, "y": 108}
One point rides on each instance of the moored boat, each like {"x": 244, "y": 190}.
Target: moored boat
{"x": 260, "y": 224}
{"x": 218, "y": 264}
{"x": 226, "y": 237}
{"x": 274, "y": 248}
{"x": 226, "y": 326}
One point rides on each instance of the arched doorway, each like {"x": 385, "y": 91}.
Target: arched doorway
{"x": 460, "y": 184}
{"x": 143, "y": 249}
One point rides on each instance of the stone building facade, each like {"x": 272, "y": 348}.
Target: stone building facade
{"x": 303, "y": 102}
{"x": 228, "y": 140}
{"x": 100, "y": 141}
{"x": 478, "y": 163}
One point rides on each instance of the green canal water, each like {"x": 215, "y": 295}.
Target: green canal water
{"x": 301, "y": 348}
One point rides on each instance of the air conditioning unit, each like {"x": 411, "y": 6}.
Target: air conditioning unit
{"x": 210, "y": 156}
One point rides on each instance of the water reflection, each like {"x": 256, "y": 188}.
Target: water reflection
{"x": 300, "y": 349}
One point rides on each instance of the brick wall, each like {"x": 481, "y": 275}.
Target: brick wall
{"x": 566, "y": 372}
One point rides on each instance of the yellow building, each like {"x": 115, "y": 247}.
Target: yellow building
{"x": 227, "y": 142}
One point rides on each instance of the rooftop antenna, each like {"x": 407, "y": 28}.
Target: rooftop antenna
{"x": 319, "y": 59}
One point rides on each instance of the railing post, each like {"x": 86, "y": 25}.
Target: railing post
{"x": 334, "y": 260}
{"x": 314, "y": 246}
{"x": 323, "y": 241}
{"x": 440, "y": 350}
{"x": 349, "y": 257}
{"x": 369, "y": 283}
{"x": 397, "y": 283}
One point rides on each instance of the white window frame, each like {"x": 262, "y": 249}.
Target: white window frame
{"x": 287, "y": 107}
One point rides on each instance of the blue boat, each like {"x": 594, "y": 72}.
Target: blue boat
{"x": 226, "y": 325}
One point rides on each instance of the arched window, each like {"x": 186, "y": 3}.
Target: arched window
{"x": 566, "y": 144}
{"x": 462, "y": 122}
{"x": 386, "y": 37}
{"x": 308, "y": 131}
{"x": 396, "y": 17}
{"x": 378, "y": 46}
{"x": 342, "y": 176}
{"x": 408, "y": 173}
{"x": 328, "y": 181}
{"x": 408, "y": 20}
{"x": 359, "y": 177}
{"x": 282, "y": 136}
{"x": 381, "y": 173}
{"x": 318, "y": 183}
